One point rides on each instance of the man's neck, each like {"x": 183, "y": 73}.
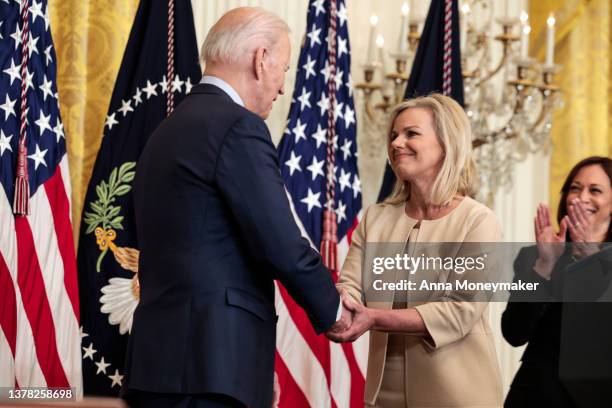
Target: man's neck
{"x": 234, "y": 79}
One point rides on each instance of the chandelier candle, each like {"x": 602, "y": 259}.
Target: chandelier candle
{"x": 372, "y": 43}
{"x": 525, "y": 30}
{"x": 402, "y": 43}
{"x": 550, "y": 41}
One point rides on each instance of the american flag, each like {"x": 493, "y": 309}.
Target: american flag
{"x": 313, "y": 371}
{"x": 39, "y": 304}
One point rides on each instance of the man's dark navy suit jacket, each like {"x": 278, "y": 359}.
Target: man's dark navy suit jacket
{"x": 215, "y": 229}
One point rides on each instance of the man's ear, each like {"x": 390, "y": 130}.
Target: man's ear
{"x": 258, "y": 62}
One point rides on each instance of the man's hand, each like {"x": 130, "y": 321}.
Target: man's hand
{"x": 341, "y": 325}
{"x": 346, "y": 319}
{"x": 276, "y": 391}
{"x": 363, "y": 320}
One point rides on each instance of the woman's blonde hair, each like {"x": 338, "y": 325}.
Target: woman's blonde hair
{"x": 452, "y": 127}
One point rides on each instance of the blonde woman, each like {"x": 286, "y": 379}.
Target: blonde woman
{"x": 436, "y": 353}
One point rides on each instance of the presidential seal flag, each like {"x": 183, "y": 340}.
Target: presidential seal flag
{"x": 39, "y": 302}
{"x": 159, "y": 66}
{"x": 318, "y": 158}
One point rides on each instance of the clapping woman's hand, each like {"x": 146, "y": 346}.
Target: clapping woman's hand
{"x": 549, "y": 242}
{"x": 581, "y": 229}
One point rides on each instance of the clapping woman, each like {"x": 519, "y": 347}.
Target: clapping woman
{"x": 584, "y": 215}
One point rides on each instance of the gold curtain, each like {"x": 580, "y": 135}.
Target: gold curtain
{"x": 583, "y": 48}
{"x": 89, "y": 38}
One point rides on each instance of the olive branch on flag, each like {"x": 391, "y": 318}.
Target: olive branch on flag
{"x": 104, "y": 218}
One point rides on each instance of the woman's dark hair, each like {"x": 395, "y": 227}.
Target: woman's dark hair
{"x": 605, "y": 163}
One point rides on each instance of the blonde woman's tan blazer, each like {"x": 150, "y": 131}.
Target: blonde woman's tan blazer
{"x": 457, "y": 366}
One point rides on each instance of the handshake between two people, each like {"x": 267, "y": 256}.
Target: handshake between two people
{"x": 355, "y": 320}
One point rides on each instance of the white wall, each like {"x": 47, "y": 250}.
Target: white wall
{"x": 515, "y": 208}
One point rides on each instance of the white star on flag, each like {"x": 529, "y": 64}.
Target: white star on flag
{"x": 177, "y": 84}
{"x": 349, "y": 116}
{"x": 294, "y": 163}
{"x": 117, "y": 379}
{"x": 342, "y": 49}
{"x": 316, "y": 168}
{"x": 17, "y": 36}
{"x": 338, "y": 79}
{"x": 344, "y": 180}
{"x": 110, "y": 121}
{"x": 349, "y": 84}
{"x": 47, "y": 19}
{"x": 326, "y": 71}
{"x": 309, "y": 67}
{"x": 320, "y": 135}
{"x": 48, "y": 58}
{"x": 13, "y": 72}
{"x": 346, "y": 148}
{"x": 46, "y": 88}
{"x": 304, "y": 99}
{"x": 188, "y": 85}
{"x": 318, "y": 5}
{"x": 36, "y": 11}
{"x": 323, "y": 103}
{"x": 137, "y": 97}
{"x": 29, "y": 80}
{"x": 342, "y": 15}
{"x": 356, "y": 186}
{"x": 311, "y": 200}
{"x": 43, "y": 122}
{"x": 126, "y": 106}
{"x": 150, "y": 89}
{"x": 8, "y": 107}
{"x": 338, "y": 111}
{"x": 101, "y": 366}
{"x": 5, "y": 143}
{"x": 164, "y": 84}
{"x": 89, "y": 351}
{"x": 299, "y": 130}
{"x": 32, "y": 45}
{"x": 314, "y": 35}
{"x": 341, "y": 211}
{"x": 58, "y": 129}
{"x": 38, "y": 157}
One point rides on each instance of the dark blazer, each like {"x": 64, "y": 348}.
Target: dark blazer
{"x": 215, "y": 229}
{"x": 542, "y": 323}
{"x": 536, "y": 383}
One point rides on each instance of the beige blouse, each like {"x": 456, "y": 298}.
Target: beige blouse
{"x": 458, "y": 366}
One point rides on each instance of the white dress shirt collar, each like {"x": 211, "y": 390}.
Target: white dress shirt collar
{"x": 225, "y": 87}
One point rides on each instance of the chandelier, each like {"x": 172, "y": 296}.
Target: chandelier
{"x": 509, "y": 96}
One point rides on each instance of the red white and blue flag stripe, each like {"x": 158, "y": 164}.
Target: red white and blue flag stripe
{"x": 39, "y": 305}
{"x": 313, "y": 371}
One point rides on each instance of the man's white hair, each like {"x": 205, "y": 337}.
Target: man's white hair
{"x": 232, "y": 39}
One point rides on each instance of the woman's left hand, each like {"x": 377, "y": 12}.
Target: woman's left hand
{"x": 363, "y": 320}
{"x": 581, "y": 229}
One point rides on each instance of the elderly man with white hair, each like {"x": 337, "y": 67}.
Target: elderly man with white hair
{"x": 215, "y": 229}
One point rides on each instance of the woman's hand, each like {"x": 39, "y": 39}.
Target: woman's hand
{"x": 582, "y": 230}
{"x": 363, "y": 320}
{"x": 549, "y": 242}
